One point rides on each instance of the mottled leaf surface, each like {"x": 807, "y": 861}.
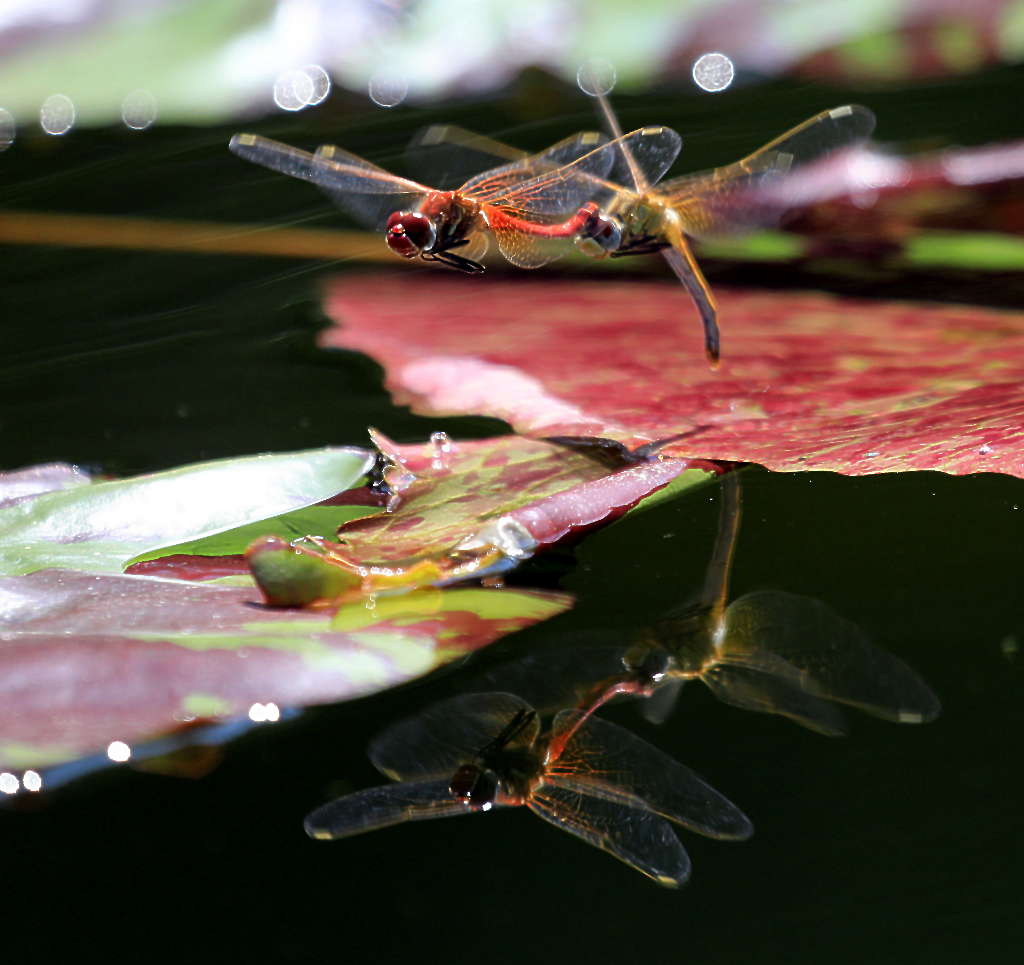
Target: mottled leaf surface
{"x": 86, "y": 659}
{"x": 808, "y": 381}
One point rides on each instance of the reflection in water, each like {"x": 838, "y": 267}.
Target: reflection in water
{"x": 584, "y": 775}
{"x": 774, "y": 652}
{"x": 767, "y": 651}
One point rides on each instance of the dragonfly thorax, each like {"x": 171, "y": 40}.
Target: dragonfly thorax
{"x": 409, "y": 233}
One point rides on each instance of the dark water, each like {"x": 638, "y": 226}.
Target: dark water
{"x": 895, "y": 844}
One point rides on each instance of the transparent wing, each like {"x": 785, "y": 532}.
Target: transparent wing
{"x": 523, "y": 248}
{"x": 582, "y": 149}
{"x": 747, "y": 194}
{"x": 638, "y": 837}
{"x": 770, "y": 691}
{"x": 364, "y": 190}
{"x": 436, "y": 742}
{"x": 560, "y": 191}
{"x": 832, "y": 656}
{"x": 551, "y": 680}
{"x": 381, "y": 807}
{"x": 603, "y": 754}
{"x": 446, "y": 155}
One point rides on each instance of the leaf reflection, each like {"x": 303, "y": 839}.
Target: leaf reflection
{"x": 587, "y": 776}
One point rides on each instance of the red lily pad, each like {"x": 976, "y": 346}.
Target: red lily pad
{"x": 88, "y": 659}
{"x": 808, "y": 381}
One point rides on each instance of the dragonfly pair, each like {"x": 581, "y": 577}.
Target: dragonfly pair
{"x": 585, "y": 775}
{"x": 603, "y": 196}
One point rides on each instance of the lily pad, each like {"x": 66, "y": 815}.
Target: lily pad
{"x": 474, "y": 512}
{"x": 88, "y": 659}
{"x": 808, "y": 381}
{"x": 100, "y": 527}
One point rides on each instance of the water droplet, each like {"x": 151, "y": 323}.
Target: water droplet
{"x": 388, "y": 89}
{"x": 442, "y": 447}
{"x": 713, "y": 72}
{"x": 984, "y": 450}
{"x": 57, "y": 115}
{"x": 9, "y": 783}
{"x": 596, "y": 77}
{"x": 874, "y": 454}
{"x": 32, "y": 781}
{"x": 138, "y": 110}
{"x": 8, "y": 129}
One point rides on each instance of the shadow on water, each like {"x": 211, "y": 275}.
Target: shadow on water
{"x": 896, "y": 844}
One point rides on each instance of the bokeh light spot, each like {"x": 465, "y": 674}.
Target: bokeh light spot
{"x": 713, "y": 72}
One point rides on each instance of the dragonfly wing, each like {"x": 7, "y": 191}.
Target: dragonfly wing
{"x": 751, "y": 192}
{"x": 446, "y": 155}
{"x": 434, "y": 743}
{"x": 367, "y": 192}
{"x": 635, "y": 836}
{"x": 833, "y": 657}
{"x": 771, "y": 692}
{"x": 381, "y": 807}
{"x": 612, "y": 756}
{"x": 522, "y": 248}
{"x": 582, "y": 149}
{"x": 364, "y": 190}
{"x": 680, "y": 259}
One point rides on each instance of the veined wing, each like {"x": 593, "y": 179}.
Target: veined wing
{"x": 364, "y": 190}
{"x": 436, "y": 742}
{"x": 832, "y": 656}
{"x": 634, "y": 835}
{"x": 561, "y": 190}
{"x": 751, "y": 192}
{"x": 768, "y": 687}
{"x": 381, "y": 807}
{"x": 601, "y": 753}
{"x": 447, "y": 155}
{"x": 354, "y": 184}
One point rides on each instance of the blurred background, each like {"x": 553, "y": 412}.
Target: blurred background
{"x": 155, "y": 314}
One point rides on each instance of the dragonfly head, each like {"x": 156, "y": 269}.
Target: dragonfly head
{"x": 600, "y": 235}
{"x": 475, "y": 786}
{"x": 410, "y": 233}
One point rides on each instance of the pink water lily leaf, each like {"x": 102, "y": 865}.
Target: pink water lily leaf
{"x": 475, "y": 509}
{"x": 91, "y": 658}
{"x": 807, "y": 381}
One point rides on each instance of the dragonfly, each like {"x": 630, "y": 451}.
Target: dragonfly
{"x": 767, "y": 651}
{"x": 529, "y": 205}
{"x": 631, "y": 213}
{"x": 585, "y": 775}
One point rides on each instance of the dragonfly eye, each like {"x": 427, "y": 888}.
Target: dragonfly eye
{"x": 410, "y": 233}
{"x": 475, "y": 786}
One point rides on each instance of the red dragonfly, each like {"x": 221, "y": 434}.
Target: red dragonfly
{"x": 585, "y": 775}
{"x": 633, "y": 217}
{"x": 526, "y": 205}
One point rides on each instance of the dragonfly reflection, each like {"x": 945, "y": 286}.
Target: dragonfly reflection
{"x": 585, "y": 775}
{"x": 767, "y": 651}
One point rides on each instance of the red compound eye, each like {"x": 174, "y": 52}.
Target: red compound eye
{"x": 409, "y": 233}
